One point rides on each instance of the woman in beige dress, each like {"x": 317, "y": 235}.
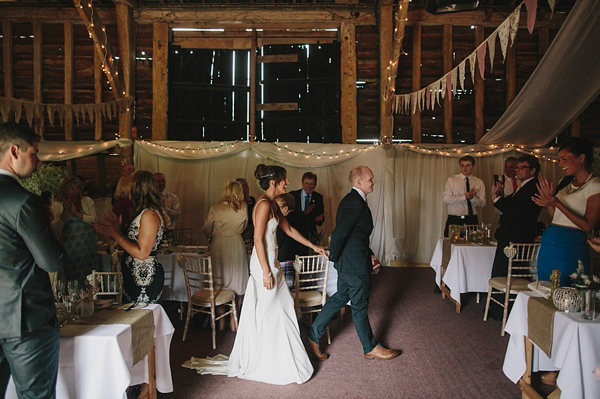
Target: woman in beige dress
{"x": 224, "y": 226}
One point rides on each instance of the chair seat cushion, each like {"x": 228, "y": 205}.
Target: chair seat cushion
{"x": 516, "y": 284}
{"x": 310, "y": 298}
{"x": 222, "y": 295}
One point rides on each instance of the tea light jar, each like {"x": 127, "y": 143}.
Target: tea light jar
{"x": 566, "y": 299}
{"x": 454, "y": 231}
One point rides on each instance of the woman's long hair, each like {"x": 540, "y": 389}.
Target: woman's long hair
{"x": 122, "y": 190}
{"x": 266, "y": 173}
{"x": 66, "y": 182}
{"x": 232, "y": 195}
{"x": 144, "y": 194}
{"x": 578, "y": 146}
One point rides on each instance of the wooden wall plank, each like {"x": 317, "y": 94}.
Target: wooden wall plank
{"x": 479, "y": 87}
{"x": 447, "y": 56}
{"x": 37, "y": 75}
{"x": 98, "y": 74}
{"x": 160, "y": 80}
{"x": 348, "y": 112}
{"x": 125, "y": 28}
{"x": 7, "y": 58}
{"x": 277, "y": 107}
{"x": 416, "y": 81}
{"x": 386, "y": 33}
{"x": 267, "y": 59}
{"x": 68, "y": 28}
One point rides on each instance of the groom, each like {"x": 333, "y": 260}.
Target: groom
{"x": 354, "y": 261}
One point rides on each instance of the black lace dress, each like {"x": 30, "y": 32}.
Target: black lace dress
{"x": 143, "y": 280}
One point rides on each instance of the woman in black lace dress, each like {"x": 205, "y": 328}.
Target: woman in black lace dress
{"x": 143, "y": 276}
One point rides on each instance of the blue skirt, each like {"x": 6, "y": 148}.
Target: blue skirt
{"x": 561, "y": 248}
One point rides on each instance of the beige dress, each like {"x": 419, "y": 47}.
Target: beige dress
{"x": 227, "y": 249}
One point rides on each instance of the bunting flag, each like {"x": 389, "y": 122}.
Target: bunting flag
{"x": 503, "y": 35}
{"x": 61, "y": 113}
{"x": 414, "y": 102}
{"x": 5, "y": 105}
{"x": 514, "y": 19}
{"x": 551, "y": 3}
{"x": 90, "y": 112}
{"x": 18, "y": 108}
{"x": 471, "y": 59}
{"x": 28, "y": 105}
{"x": 443, "y": 88}
{"x": 436, "y": 88}
{"x": 481, "y": 58}
{"x": 422, "y": 96}
{"x": 428, "y": 97}
{"x": 449, "y": 85}
{"x": 531, "y": 6}
{"x": 461, "y": 74}
{"x": 491, "y": 43}
{"x": 51, "y": 109}
{"x": 453, "y": 79}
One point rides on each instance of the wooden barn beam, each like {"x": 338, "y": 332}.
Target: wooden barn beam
{"x": 447, "y": 61}
{"x": 479, "y": 87}
{"x": 543, "y": 41}
{"x": 97, "y": 32}
{"x": 386, "y": 37}
{"x": 98, "y": 74}
{"x": 37, "y": 76}
{"x": 160, "y": 80}
{"x": 7, "y": 58}
{"x": 348, "y": 83}
{"x": 416, "y": 82}
{"x": 126, "y": 29}
{"x": 253, "y": 65}
{"x": 269, "y": 59}
{"x": 68, "y": 85}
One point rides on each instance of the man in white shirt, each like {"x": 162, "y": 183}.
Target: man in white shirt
{"x": 170, "y": 201}
{"x": 463, "y": 193}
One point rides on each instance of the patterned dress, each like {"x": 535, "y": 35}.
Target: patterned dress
{"x": 142, "y": 279}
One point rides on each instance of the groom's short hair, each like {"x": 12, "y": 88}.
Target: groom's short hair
{"x": 356, "y": 173}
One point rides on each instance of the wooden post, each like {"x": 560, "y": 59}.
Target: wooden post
{"x": 68, "y": 28}
{"x": 447, "y": 54}
{"x": 160, "y": 76}
{"x": 576, "y": 127}
{"x": 416, "y": 82}
{"x": 37, "y": 78}
{"x": 386, "y": 28}
{"x": 125, "y": 28}
{"x": 511, "y": 74}
{"x": 7, "y": 55}
{"x": 543, "y": 40}
{"x": 98, "y": 75}
{"x": 252, "y": 133}
{"x": 348, "y": 82}
{"x": 479, "y": 87}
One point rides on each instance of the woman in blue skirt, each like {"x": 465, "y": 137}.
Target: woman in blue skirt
{"x": 575, "y": 211}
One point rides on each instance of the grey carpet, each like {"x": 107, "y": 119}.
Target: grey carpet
{"x": 444, "y": 354}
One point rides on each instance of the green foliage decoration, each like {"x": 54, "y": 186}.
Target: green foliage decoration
{"x": 47, "y": 177}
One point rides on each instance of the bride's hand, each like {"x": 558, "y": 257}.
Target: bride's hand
{"x": 269, "y": 281}
{"x": 321, "y": 251}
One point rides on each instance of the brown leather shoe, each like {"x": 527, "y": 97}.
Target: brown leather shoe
{"x": 381, "y": 353}
{"x": 314, "y": 351}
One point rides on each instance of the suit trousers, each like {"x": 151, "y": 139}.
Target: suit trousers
{"x": 357, "y": 290}
{"x": 32, "y": 360}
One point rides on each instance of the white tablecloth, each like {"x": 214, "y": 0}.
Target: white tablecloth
{"x": 469, "y": 268}
{"x": 97, "y": 363}
{"x": 575, "y": 350}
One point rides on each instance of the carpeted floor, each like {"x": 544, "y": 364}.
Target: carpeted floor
{"x": 444, "y": 354}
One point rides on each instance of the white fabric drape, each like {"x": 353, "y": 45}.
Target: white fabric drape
{"x": 406, "y": 204}
{"x": 56, "y": 151}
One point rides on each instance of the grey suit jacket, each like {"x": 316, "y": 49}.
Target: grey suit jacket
{"x": 28, "y": 251}
{"x": 349, "y": 248}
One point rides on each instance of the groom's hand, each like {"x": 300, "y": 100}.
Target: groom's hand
{"x": 375, "y": 262}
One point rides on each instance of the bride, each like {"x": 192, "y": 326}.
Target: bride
{"x": 267, "y": 346}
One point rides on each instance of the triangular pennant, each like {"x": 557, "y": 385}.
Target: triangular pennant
{"x": 503, "y": 34}
{"x": 514, "y": 19}
{"x": 471, "y": 59}
{"x": 414, "y": 102}
{"x": 18, "y": 104}
{"x": 453, "y": 78}
{"x": 449, "y": 85}
{"x": 407, "y": 98}
{"x": 90, "y": 112}
{"x": 491, "y": 42}
{"x": 436, "y": 87}
{"x": 61, "y": 113}
{"x": 39, "y": 112}
{"x": 461, "y": 74}
{"x": 5, "y": 106}
{"x": 531, "y": 6}
{"x": 551, "y": 3}
{"x": 29, "y": 110}
{"x": 428, "y": 97}
{"x": 481, "y": 58}
{"x": 51, "y": 109}
{"x": 422, "y": 95}
{"x": 443, "y": 88}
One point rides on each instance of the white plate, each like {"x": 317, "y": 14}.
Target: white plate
{"x": 139, "y": 305}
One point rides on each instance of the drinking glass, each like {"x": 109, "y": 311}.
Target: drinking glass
{"x": 588, "y": 303}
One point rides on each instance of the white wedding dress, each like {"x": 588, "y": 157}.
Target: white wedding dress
{"x": 267, "y": 346}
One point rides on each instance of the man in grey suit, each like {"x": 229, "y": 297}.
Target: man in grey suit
{"x": 29, "y": 340}
{"x": 354, "y": 261}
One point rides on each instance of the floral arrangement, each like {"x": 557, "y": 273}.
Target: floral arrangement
{"x": 580, "y": 279}
{"x": 46, "y": 178}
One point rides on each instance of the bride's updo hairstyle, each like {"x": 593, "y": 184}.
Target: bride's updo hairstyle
{"x": 266, "y": 173}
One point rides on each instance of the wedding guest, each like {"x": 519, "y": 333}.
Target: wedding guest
{"x": 169, "y": 200}
{"x": 29, "y": 338}
{"x": 143, "y": 275}
{"x": 287, "y": 248}
{"x": 309, "y": 205}
{"x": 250, "y": 202}
{"x": 463, "y": 193}
{"x": 122, "y": 207}
{"x": 575, "y": 211}
{"x": 72, "y": 224}
{"x": 510, "y": 182}
{"x": 224, "y": 226}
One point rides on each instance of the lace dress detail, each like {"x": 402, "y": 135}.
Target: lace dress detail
{"x": 142, "y": 279}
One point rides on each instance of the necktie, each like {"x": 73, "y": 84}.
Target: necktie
{"x": 306, "y": 201}
{"x": 469, "y": 201}
{"x": 514, "y": 184}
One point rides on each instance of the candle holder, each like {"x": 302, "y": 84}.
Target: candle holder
{"x": 566, "y": 299}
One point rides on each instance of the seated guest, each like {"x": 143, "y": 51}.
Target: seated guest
{"x": 463, "y": 193}
{"x": 224, "y": 226}
{"x": 143, "y": 276}
{"x": 73, "y": 215}
{"x": 287, "y": 248}
{"x": 123, "y": 206}
{"x": 575, "y": 211}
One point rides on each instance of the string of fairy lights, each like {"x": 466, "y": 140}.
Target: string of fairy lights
{"x": 324, "y": 154}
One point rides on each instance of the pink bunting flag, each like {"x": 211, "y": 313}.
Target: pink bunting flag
{"x": 481, "y": 50}
{"x": 531, "y": 6}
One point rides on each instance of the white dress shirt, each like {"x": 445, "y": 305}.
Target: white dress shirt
{"x": 171, "y": 203}
{"x": 454, "y": 194}
{"x": 303, "y": 199}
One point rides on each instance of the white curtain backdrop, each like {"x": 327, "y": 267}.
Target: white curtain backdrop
{"x": 407, "y": 205}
